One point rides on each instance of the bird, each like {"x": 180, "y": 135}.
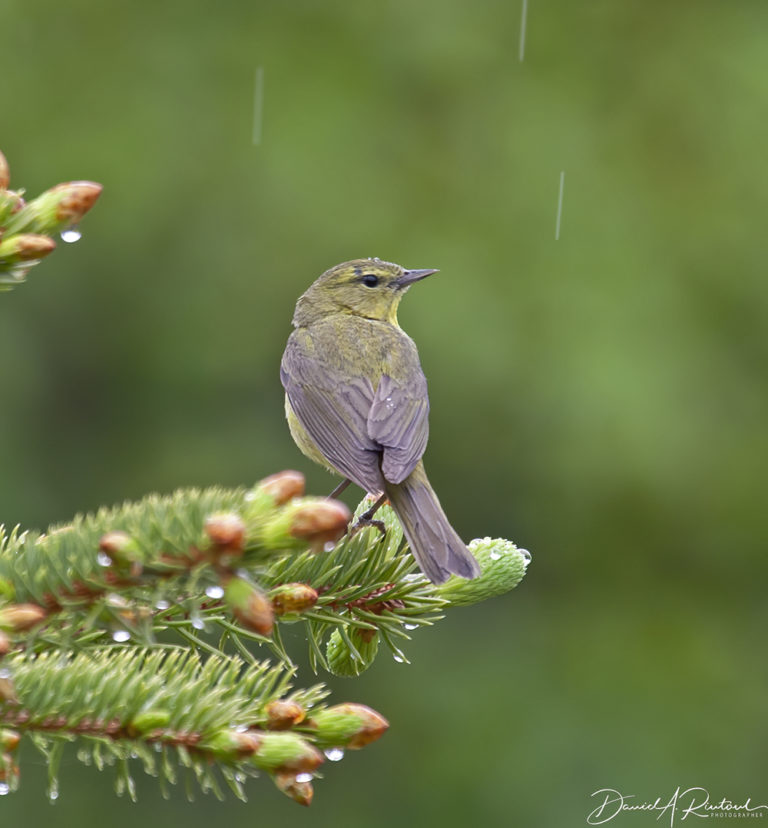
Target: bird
{"x": 356, "y": 402}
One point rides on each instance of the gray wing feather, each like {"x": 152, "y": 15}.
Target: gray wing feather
{"x": 399, "y": 422}
{"x": 334, "y": 414}
{"x": 354, "y": 427}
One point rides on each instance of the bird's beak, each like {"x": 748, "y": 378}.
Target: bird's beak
{"x": 411, "y": 276}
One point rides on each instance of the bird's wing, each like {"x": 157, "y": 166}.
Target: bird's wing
{"x": 334, "y": 412}
{"x": 399, "y": 422}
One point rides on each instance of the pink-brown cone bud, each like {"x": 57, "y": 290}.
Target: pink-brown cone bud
{"x": 25, "y": 247}
{"x": 9, "y": 740}
{"x": 249, "y": 605}
{"x": 77, "y": 199}
{"x": 348, "y": 725}
{"x": 121, "y": 549}
{"x": 5, "y": 644}
{"x": 226, "y": 530}
{"x": 233, "y": 744}
{"x": 282, "y": 714}
{"x": 283, "y": 486}
{"x": 21, "y": 617}
{"x": 293, "y": 598}
{"x": 286, "y": 751}
{"x": 320, "y": 521}
{"x": 301, "y": 792}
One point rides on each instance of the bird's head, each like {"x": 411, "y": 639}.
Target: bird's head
{"x": 363, "y": 287}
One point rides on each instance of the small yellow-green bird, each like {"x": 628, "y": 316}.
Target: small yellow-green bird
{"x": 356, "y": 401}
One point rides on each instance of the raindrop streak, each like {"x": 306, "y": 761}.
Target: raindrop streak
{"x": 523, "y": 23}
{"x": 258, "y": 105}
{"x": 70, "y": 235}
{"x": 214, "y": 592}
{"x": 334, "y": 754}
{"x": 559, "y": 206}
{"x": 121, "y": 636}
{"x": 104, "y": 559}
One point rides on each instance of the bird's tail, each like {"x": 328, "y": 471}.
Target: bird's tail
{"x": 438, "y": 550}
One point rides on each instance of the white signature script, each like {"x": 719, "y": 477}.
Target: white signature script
{"x": 682, "y": 804}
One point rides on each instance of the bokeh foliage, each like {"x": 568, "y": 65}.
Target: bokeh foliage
{"x": 600, "y": 399}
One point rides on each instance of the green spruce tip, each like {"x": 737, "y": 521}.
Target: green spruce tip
{"x": 346, "y": 661}
{"x": 503, "y": 566}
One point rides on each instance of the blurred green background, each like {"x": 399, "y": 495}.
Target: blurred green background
{"x": 600, "y": 399}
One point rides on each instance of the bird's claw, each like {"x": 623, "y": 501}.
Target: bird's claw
{"x": 364, "y": 522}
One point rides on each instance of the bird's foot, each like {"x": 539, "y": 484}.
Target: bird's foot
{"x": 364, "y": 522}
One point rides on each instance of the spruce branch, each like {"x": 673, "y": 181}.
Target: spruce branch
{"x": 88, "y": 612}
{"x": 220, "y": 566}
{"x": 218, "y": 719}
{"x": 26, "y": 227}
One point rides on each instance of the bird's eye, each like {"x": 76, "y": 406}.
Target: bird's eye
{"x": 370, "y": 280}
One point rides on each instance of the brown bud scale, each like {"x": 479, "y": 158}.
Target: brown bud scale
{"x": 283, "y": 486}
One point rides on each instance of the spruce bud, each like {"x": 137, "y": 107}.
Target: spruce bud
{"x": 290, "y": 599}
{"x": 249, "y": 605}
{"x": 21, "y": 617}
{"x": 348, "y": 726}
{"x": 227, "y": 531}
{"x": 25, "y": 247}
{"x": 286, "y": 751}
{"x": 289, "y": 784}
{"x": 283, "y": 714}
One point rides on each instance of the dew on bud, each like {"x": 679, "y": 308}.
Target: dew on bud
{"x": 5, "y": 788}
{"x": 335, "y": 754}
{"x": 400, "y": 659}
{"x": 526, "y": 555}
{"x": 121, "y": 636}
{"x": 304, "y": 777}
{"x": 103, "y": 559}
{"x": 495, "y": 555}
{"x": 162, "y": 605}
{"x": 411, "y": 626}
{"x": 215, "y": 592}
{"x": 71, "y": 235}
